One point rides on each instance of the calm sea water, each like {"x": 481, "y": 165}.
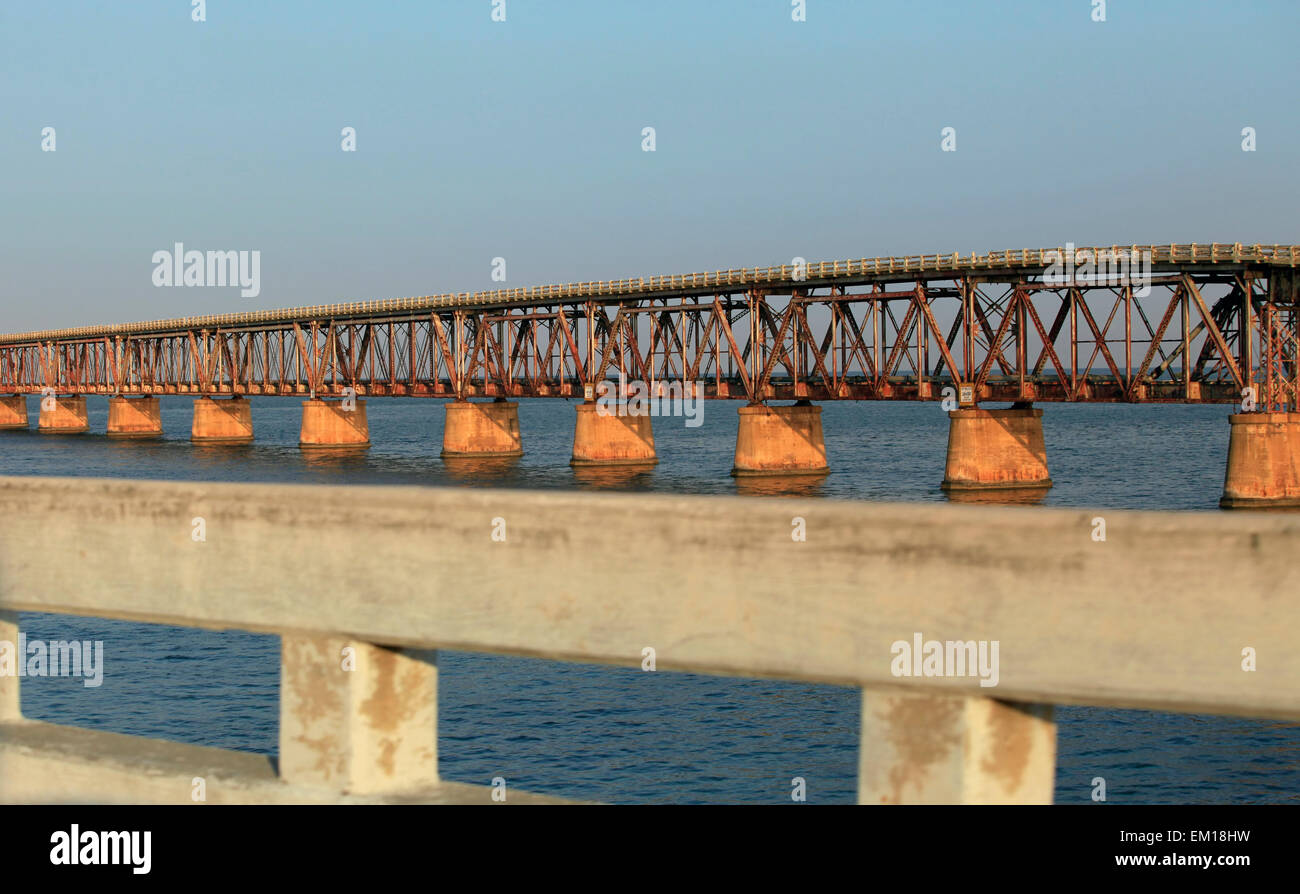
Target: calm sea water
{"x": 621, "y": 735}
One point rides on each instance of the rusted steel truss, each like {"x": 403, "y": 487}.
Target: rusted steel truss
{"x": 1202, "y": 334}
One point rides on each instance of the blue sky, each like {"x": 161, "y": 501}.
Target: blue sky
{"x": 522, "y": 139}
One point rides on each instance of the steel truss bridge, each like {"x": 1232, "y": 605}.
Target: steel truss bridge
{"x": 1218, "y": 321}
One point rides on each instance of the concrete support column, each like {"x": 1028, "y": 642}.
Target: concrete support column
{"x": 63, "y": 415}
{"x": 222, "y": 421}
{"x": 1263, "y": 461}
{"x": 13, "y": 412}
{"x": 996, "y": 449}
{"x": 780, "y": 441}
{"x": 942, "y": 749}
{"x": 356, "y": 717}
{"x": 604, "y": 438}
{"x": 334, "y": 423}
{"x": 482, "y": 429}
{"x": 10, "y": 706}
{"x": 134, "y": 417}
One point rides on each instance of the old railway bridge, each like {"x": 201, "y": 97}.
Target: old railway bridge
{"x": 1181, "y": 323}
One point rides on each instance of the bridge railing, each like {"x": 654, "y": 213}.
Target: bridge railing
{"x": 783, "y": 275}
{"x": 1162, "y": 612}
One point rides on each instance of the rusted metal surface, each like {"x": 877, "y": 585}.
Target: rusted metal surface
{"x": 1219, "y": 322}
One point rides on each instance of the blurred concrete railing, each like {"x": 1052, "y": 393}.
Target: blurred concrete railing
{"x": 1164, "y": 613}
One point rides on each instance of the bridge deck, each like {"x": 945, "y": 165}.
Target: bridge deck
{"x": 1189, "y": 323}
{"x": 1188, "y": 257}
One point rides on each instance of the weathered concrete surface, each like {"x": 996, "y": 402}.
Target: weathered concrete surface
{"x": 783, "y": 440}
{"x": 478, "y": 429}
{"x": 134, "y": 417}
{"x": 603, "y": 438}
{"x": 942, "y": 749}
{"x": 42, "y": 763}
{"x": 13, "y": 412}
{"x": 1263, "y": 461}
{"x": 64, "y": 415}
{"x": 994, "y": 449}
{"x": 334, "y": 423}
{"x": 357, "y": 718}
{"x": 1155, "y": 616}
{"x": 10, "y": 707}
{"x": 222, "y": 421}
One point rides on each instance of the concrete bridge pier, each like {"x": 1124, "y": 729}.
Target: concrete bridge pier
{"x": 13, "y": 412}
{"x": 334, "y": 423}
{"x": 783, "y": 440}
{"x": 222, "y": 421}
{"x": 604, "y": 438}
{"x": 482, "y": 429}
{"x": 134, "y": 417}
{"x": 1263, "y": 461}
{"x": 996, "y": 450}
{"x": 63, "y": 415}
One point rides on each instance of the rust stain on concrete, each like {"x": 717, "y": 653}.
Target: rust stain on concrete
{"x": 387, "y": 757}
{"x": 312, "y": 702}
{"x": 304, "y": 677}
{"x": 330, "y": 762}
{"x": 1011, "y": 734}
{"x": 922, "y": 732}
{"x": 385, "y": 705}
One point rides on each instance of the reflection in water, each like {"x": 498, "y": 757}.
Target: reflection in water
{"x": 149, "y": 449}
{"x": 1010, "y": 496}
{"x": 331, "y": 458}
{"x": 1236, "y": 510}
{"x": 222, "y": 453}
{"x": 480, "y": 468}
{"x": 628, "y": 477}
{"x": 780, "y": 485}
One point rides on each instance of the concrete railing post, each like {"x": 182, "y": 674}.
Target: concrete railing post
{"x": 10, "y": 708}
{"x": 356, "y": 717}
{"x": 943, "y": 749}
